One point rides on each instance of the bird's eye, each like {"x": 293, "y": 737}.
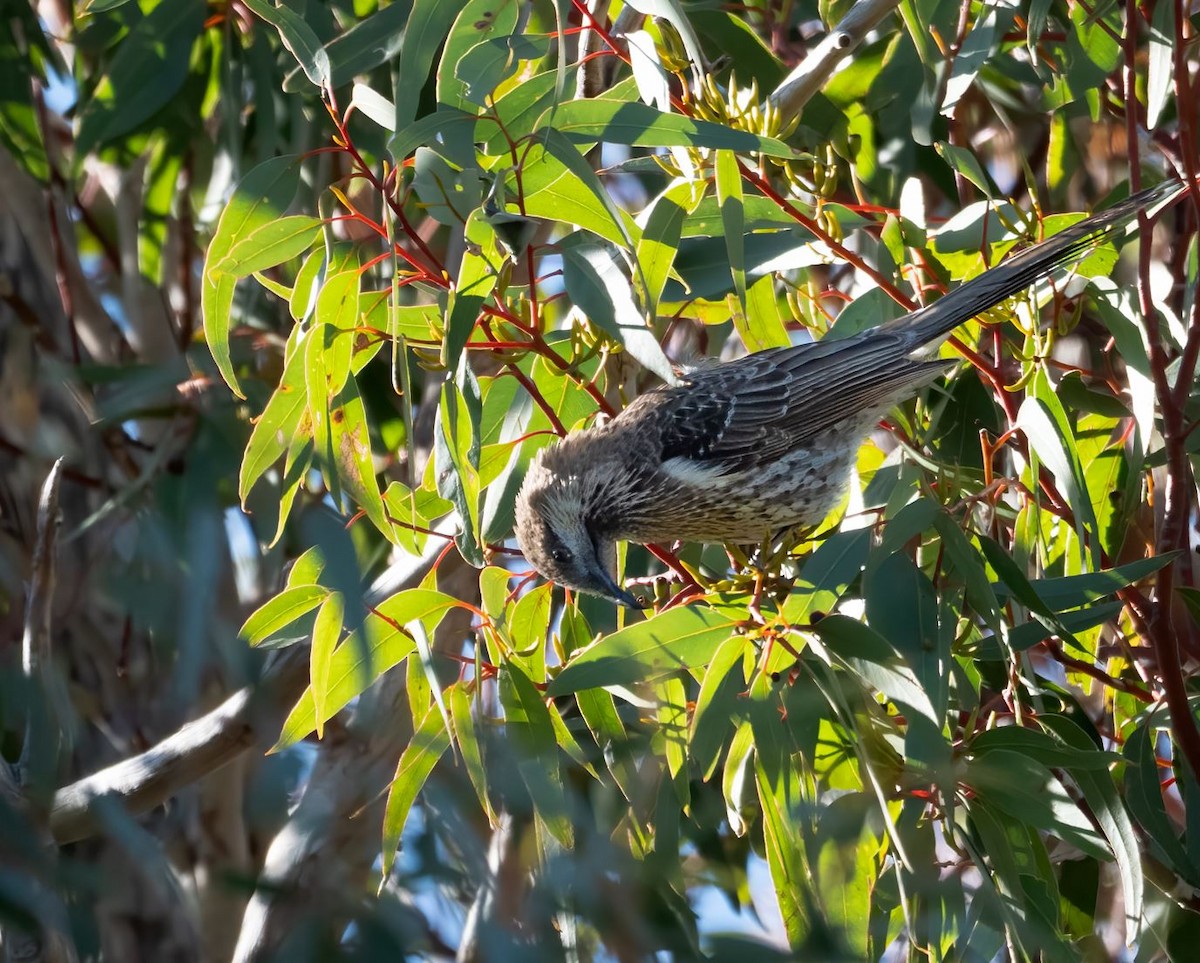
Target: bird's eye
{"x": 561, "y": 555}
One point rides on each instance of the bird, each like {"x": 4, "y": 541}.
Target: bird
{"x": 743, "y": 449}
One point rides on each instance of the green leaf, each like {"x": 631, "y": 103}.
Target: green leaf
{"x": 1045, "y": 747}
{"x": 260, "y": 198}
{"x": 735, "y": 779}
{"x": 20, "y": 132}
{"x": 467, "y": 740}
{"x": 564, "y": 735}
{"x": 963, "y": 162}
{"x": 872, "y": 658}
{"x": 845, "y": 869}
{"x": 1028, "y": 634}
{"x": 1012, "y": 583}
{"x": 299, "y": 39}
{"x": 456, "y": 459}
{"x": 683, "y": 638}
{"x": 444, "y": 191}
{"x": 760, "y": 325}
{"x": 1160, "y": 69}
{"x": 673, "y": 728}
{"x": 1144, "y": 794}
{"x": 272, "y": 243}
{"x": 599, "y": 711}
{"x": 640, "y": 125}
{"x": 733, "y": 219}
{"x": 827, "y": 573}
{"x": 369, "y": 42}
{"x": 489, "y": 63}
{"x": 161, "y": 192}
{"x": 716, "y": 705}
{"x": 594, "y": 274}
{"x": 902, "y": 602}
{"x": 659, "y": 242}
{"x": 443, "y": 125}
{"x": 1026, "y": 790}
{"x": 973, "y": 53}
{"x": 785, "y": 852}
{"x": 476, "y": 22}
{"x": 1010, "y": 848}
{"x": 304, "y": 290}
{"x": 703, "y": 262}
{"x": 1072, "y": 591}
{"x": 560, "y": 185}
{"x": 409, "y": 511}
{"x": 967, "y": 562}
{"x": 337, "y": 313}
{"x": 1042, "y": 418}
{"x": 281, "y": 611}
{"x": 350, "y": 446}
{"x": 1107, "y": 808}
{"x": 416, "y": 763}
{"x": 529, "y": 622}
{"x": 527, "y": 723}
{"x": 519, "y": 110}
{"x": 150, "y": 67}
{"x": 327, "y": 629}
{"x": 279, "y": 424}
{"x": 378, "y": 644}
{"x": 426, "y": 29}
{"x": 481, "y": 264}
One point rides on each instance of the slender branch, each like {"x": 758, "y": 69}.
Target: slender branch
{"x": 1161, "y": 633}
{"x": 249, "y": 717}
{"x": 590, "y": 80}
{"x": 822, "y": 61}
{"x": 39, "y": 754}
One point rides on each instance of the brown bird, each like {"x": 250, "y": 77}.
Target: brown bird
{"x": 743, "y": 449}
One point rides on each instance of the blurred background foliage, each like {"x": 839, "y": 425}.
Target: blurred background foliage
{"x": 296, "y": 291}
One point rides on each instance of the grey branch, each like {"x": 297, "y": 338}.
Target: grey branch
{"x": 590, "y": 80}
{"x": 821, "y": 63}
{"x": 248, "y": 717}
{"x": 39, "y": 753}
{"x": 41, "y": 727}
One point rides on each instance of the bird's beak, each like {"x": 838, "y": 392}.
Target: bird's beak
{"x": 608, "y": 588}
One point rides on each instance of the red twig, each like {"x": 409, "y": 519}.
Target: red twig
{"x": 1160, "y": 630}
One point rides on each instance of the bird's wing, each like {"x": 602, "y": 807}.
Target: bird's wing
{"x": 748, "y": 413}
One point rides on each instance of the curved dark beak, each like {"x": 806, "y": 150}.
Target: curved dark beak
{"x": 607, "y": 587}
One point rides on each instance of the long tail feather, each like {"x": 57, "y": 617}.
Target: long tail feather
{"x": 1030, "y": 266}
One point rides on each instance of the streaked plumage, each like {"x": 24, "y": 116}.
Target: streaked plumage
{"x": 748, "y": 447}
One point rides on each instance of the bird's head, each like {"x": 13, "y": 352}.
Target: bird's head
{"x": 556, "y": 530}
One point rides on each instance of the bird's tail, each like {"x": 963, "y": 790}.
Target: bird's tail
{"x": 1030, "y": 266}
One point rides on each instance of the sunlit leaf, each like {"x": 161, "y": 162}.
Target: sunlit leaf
{"x": 281, "y": 611}
{"x": 260, "y": 198}
{"x": 378, "y": 644}
{"x": 421, "y": 754}
{"x": 327, "y": 629}
{"x": 299, "y": 38}
{"x": 148, "y": 70}
{"x": 273, "y": 243}
{"x": 682, "y": 638}
{"x": 639, "y": 125}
